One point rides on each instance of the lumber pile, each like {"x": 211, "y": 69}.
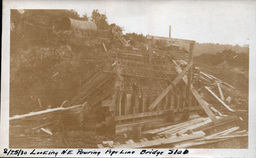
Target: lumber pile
{"x": 183, "y": 135}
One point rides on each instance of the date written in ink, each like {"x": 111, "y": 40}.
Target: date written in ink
{"x": 16, "y": 152}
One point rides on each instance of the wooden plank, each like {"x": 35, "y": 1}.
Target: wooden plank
{"x": 183, "y": 127}
{"x": 182, "y": 124}
{"x": 139, "y": 115}
{"x": 45, "y": 112}
{"x": 198, "y": 97}
{"x": 220, "y": 91}
{"x": 163, "y": 141}
{"x": 175, "y": 81}
{"x": 122, "y": 128}
{"x": 222, "y": 132}
{"x": 222, "y": 102}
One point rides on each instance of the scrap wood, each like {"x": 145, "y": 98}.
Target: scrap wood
{"x": 155, "y": 131}
{"x": 205, "y": 75}
{"x": 179, "y": 127}
{"x": 219, "y": 80}
{"x": 207, "y": 140}
{"x": 220, "y": 91}
{"x": 46, "y": 131}
{"x": 229, "y": 136}
{"x": 47, "y": 124}
{"x": 223, "y": 132}
{"x": 190, "y": 128}
{"x": 216, "y": 111}
{"x": 162, "y": 141}
{"x": 224, "y": 119}
{"x": 196, "y": 142}
{"x": 104, "y": 47}
{"x": 222, "y": 102}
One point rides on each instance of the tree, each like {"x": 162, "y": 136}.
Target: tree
{"x": 85, "y": 17}
{"x": 99, "y": 19}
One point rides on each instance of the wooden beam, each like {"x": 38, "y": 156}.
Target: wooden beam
{"x": 198, "y": 97}
{"x": 220, "y": 91}
{"x": 222, "y": 102}
{"x": 191, "y": 47}
{"x": 164, "y": 73}
{"x": 139, "y": 115}
{"x": 175, "y": 81}
{"x": 170, "y": 39}
{"x": 45, "y": 112}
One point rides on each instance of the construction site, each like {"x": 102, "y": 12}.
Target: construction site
{"x": 129, "y": 94}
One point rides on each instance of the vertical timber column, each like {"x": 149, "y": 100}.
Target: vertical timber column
{"x": 128, "y": 104}
{"x": 150, "y": 53}
{"x": 144, "y": 101}
{"x": 117, "y": 111}
{"x": 170, "y": 31}
{"x": 120, "y": 104}
{"x": 191, "y": 47}
{"x": 137, "y": 103}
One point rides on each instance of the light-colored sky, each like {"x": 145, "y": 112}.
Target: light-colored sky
{"x": 226, "y": 22}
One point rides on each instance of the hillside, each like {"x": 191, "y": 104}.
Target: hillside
{"x": 45, "y": 67}
{"x": 229, "y": 66}
{"x": 213, "y": 48}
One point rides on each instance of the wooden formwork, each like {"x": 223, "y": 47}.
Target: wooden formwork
{"x": 144, "y": 92}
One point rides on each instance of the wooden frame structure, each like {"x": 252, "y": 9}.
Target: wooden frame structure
{"x": 132, "y": 106}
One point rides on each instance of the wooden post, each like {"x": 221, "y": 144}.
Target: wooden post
{"x": 170, "y": 31}
{"x": 117, "y": 101}
{"x": 150, "y": 43}
{"x": 144, "y": 101}
{"x": 128, "y": 104}
{"x": 123, "y": 104}
{"x": 120, "y": 104}
{"x": 172, "y": 101}
{"x": 191, "y": 47}
{"x": 137, "y": 103}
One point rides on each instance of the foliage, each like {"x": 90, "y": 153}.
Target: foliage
{"x": 227, "y": 58}
{"x": 137, "y": 37}
{"x": 99, "y": 19}
{"x": 44, "y": 65}
{"x": 213, "y": 48}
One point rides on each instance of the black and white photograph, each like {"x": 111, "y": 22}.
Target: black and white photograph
{"x": 118, "y": 75}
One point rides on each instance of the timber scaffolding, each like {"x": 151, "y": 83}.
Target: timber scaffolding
{"x": 138, "y": 88}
